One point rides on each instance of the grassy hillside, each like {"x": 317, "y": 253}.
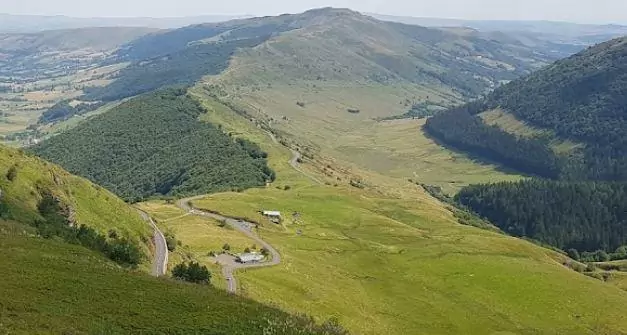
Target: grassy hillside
{"x": 379, "y": 256}
{"x": 155, "y": 145}
{"x": 324, "y": 44}
{"x": 48, "y": 287}
{"x": 91, "y": 204}
{"x": 340, "y": 45}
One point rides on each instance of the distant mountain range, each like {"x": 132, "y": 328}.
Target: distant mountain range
{"x": 35, "y": 23}
{"x": 562, "y": 32}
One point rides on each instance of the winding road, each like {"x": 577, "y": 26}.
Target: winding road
{"x": 296, "y": 156}
{"x": 245, "y": 228}
{"x": 160, "y": 263}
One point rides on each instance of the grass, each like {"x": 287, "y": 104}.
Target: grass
{"x": 390, "y": 149}
{"x": 92, "y": 205}
{"x": 200, "y": 236}
{"x": 389, "y": 259}
{"x": 375, "y": 262}
{"x": 49, "y": 287}
{"x": 512, "y": 125}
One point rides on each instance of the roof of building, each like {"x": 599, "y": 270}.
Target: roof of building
{"x": 272, "y": 213}
{"x": 250, "y": 257}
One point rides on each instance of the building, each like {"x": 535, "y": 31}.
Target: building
{"x": 274, "y": 216}
{"x": 248, "y": 258}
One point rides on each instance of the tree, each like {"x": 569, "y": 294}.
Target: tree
{"x": 265, "y": 251}
{"x": 574, "y": 254}
{"x": 602, "y": 256}
{"x": 170, "y": 241}
{"x": 192, "y": 272}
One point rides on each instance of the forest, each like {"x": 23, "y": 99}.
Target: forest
{"x": 581, "y": 98}
{"x": 584, "y": 216}
{"x": 183, "y": 67}
{"x": 63, "y": 111}
{"x": 155, "y": 145}
{"x": 581, "y": 207}
{"x": 458, "y": 128}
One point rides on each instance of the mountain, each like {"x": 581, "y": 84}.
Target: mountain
{"x": 579, "y": 100}
{"x": 155, "y": 145}
{"x": 558, "y": 33}
{"x": 326, "y": 45}
{"x": 49, "y": 55}
{"x": 566, "y": 122}
{"x": 36, "y": 23}
{"x": 95, "y": 39}
{"x": 52, "y": 283}
{"x": 360, "y": 239}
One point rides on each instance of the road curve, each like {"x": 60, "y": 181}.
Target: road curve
{"x": 241, "y": 226}
{"x": 296, "y": 156}
{"x": 160, "y": 263}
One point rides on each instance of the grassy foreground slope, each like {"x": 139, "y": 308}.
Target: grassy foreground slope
{"x": 89, "y": 204}
{"x": 395, "y": 261}
{"x": 49, "y": 287}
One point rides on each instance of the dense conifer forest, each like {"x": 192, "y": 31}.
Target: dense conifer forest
{"x": 155, "y": 145}
{"x": 582, "y": 98}
{"x": 583, "y": 205}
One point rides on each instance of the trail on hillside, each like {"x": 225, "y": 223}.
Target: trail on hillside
{"x": 160, "y": 262}
{"x": 242, "y": 226}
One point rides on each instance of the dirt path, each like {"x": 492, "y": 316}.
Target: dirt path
{"x": 245, "y": 228}
{"x": 160, "y": 263}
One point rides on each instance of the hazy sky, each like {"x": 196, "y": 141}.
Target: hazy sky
{"x": 597, "y": 11}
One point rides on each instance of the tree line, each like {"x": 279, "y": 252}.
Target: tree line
{"x": 582, "y": 216}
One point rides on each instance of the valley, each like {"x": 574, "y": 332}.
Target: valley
{"x": 401, "y": 163}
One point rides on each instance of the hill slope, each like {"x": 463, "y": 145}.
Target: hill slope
{"x": 48, "y": 287}
{"x": 38, "y": 194}
{"x": 328, "y": 44}
{"x": 155, "y": 145}
{"x": 581, "y": 98}
{"x": 90, "y": 204}
{"x": 95, "y": 39}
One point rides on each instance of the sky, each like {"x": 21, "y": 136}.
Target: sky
{"x": 585, "y": 11}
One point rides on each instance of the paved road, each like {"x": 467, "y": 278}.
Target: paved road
{"x": 160, "y": 263}
{"x": 247, "y": 228}
{"x": 296, "y": 156}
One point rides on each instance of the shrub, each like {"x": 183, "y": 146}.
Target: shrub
{"x": 265, "y": 251}
{"x": 192, "y": 272}
{"x": 170, "y": 241}
{"x": 247, "y": 250}
{"x": 353, "y": 110}
{"x": 226, "y": 247}
{"x": 300, "y": 104}
{"x": 12, "y": 173}
{"x": 574, "y": 254}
